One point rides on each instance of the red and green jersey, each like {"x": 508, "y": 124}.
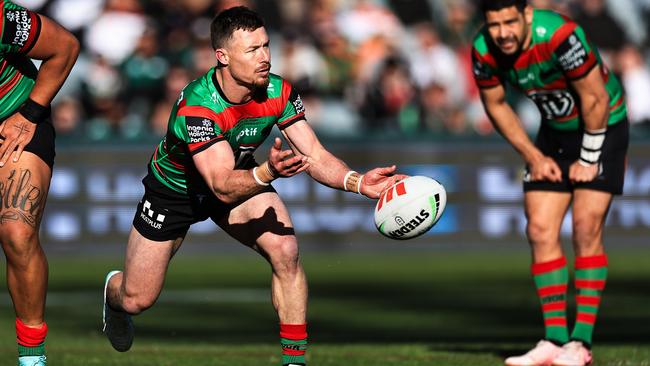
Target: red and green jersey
{"x": 203, "y": 116}
{"x": 20, "y": 30}
{"x": 559, "y": 53}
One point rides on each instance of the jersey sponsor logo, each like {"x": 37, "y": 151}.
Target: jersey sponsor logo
{"x": 480, "y": 71}
{"x": 527, "y": 79}
{"x": 200, "y": 129}
{"x": 17, "y": 26}
{"x": 297, "y": 105}
{"x": 572, "y": 53}
{"x": 151, "y": 217}
{"x": 248, "y": 132}
{"x": 554, "y": 104}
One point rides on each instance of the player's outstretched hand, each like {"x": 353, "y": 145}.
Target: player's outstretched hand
{"x": 15, "y": 133}
{"x": 545, "y": 169}
{"x": 284, "y": 163}
{"x": 377, "y": 180}
{"x": 579, "y": 173}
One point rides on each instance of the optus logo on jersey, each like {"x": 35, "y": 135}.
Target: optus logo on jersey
{"x": 246, "y": 132}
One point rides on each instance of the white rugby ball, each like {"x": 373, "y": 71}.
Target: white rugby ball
{"x": 410, "y": 207}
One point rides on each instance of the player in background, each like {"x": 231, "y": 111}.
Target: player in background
{"x": 204, "y": 168}
{"x": 26, "y": 160}
{"x": 578, "y": 156}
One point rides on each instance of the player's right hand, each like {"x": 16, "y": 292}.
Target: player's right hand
{"x": 284, "y": 163}
{"x": 545, "y": 169}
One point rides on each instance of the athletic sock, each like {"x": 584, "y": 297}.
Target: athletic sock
{"x": 591, "y": 275}
{"x": 551, "y": 280}
{"x": 31, "y": 341}
{"x": 293, "y": 338}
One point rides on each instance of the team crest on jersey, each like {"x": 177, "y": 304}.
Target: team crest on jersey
{"x": 541, "y": 31}
{"x": 17, "y": 26}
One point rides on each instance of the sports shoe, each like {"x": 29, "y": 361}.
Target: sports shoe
{"x": 542, "y": 355}
{"x": 573, "y": 354}
{"x": 117, "y": 324}
{"x": 32, "y": 361}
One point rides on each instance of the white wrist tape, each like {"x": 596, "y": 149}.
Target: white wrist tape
{"x": 592, "y": 144}
{"x": 257, "y": 179}
{"x": 345, "y": 179}
{"x": 359, "y": 184}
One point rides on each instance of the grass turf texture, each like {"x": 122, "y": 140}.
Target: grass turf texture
{"x": 409, "y": 310}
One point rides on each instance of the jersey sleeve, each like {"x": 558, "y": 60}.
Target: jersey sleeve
{"x": 485, "y": 70}
{"x": 20, "y": 28}
{"x": 574, "y": 55}
{"x": 293, "y": 109}
{"x": 198, "y": 127}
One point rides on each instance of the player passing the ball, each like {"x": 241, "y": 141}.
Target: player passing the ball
{"x": 578, "y": 157}
{"x": 204, "y": 168}
{"x": 26, "y": 160}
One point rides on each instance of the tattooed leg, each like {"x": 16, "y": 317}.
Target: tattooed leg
{"x": 23, "y": 192}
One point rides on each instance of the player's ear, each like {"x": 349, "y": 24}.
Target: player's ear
{"x": 222, "y": 56}
{"x": 528, "y": 14}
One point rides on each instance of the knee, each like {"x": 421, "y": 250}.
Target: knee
{"x": 283, "y": 255}
{"x": 586, "y": 231}
{"x": 137, "y": 303}
{"x": 540, "y": 234}
{"x": 19, "y": 242}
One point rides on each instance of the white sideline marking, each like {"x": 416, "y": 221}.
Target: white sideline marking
{"x": 172, "y": 297}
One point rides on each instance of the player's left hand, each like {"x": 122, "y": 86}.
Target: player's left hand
{"x": 15, "y": 133}
{"x": 377, "y": 180}
{"x": 579, "y": 173}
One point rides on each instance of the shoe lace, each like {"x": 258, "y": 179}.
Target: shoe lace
{"x": 539, "y": 348}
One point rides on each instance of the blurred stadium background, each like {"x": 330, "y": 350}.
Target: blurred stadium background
{"x": 383, "y": 81}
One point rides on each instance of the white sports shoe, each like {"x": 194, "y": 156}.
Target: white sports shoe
{"x": 573, "y": 354}
{"x": 542, "y": 355}
{"x": 117, "y": 324}
{"x": 32, "y": 361}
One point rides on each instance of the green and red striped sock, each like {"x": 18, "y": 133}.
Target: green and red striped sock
{"x": 31, "y": 341}
{"x": 591, "y": 275}
{"x": 552, "y": 280}
{"x": 293, "y": 338}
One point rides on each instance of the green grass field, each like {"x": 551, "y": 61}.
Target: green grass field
{"x": 434, "y": 308}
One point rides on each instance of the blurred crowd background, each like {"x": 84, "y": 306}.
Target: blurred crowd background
{"x": 364, "y": 68}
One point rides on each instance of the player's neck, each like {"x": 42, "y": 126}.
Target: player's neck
{"x": 233, "y": 91}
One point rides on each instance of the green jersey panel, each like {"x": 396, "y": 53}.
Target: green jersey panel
{"x": 20, "y": 29}
{"x": 203, "y": 116}
{"x": 559, "y": 53}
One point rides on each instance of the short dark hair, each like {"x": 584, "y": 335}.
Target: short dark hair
{"x": 228, "y": 21}
{"x": 495, "y": 5}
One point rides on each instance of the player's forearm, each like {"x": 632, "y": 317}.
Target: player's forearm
{"x": 54, "y": 70}
{"x": 507, "y": 123}
{"x": 328, "y": 170}
{"x": 236, "y": 186}
{"x": 594, "y": 110}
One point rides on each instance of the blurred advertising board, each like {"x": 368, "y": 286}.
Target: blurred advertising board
{"x": 94, "y": 194}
